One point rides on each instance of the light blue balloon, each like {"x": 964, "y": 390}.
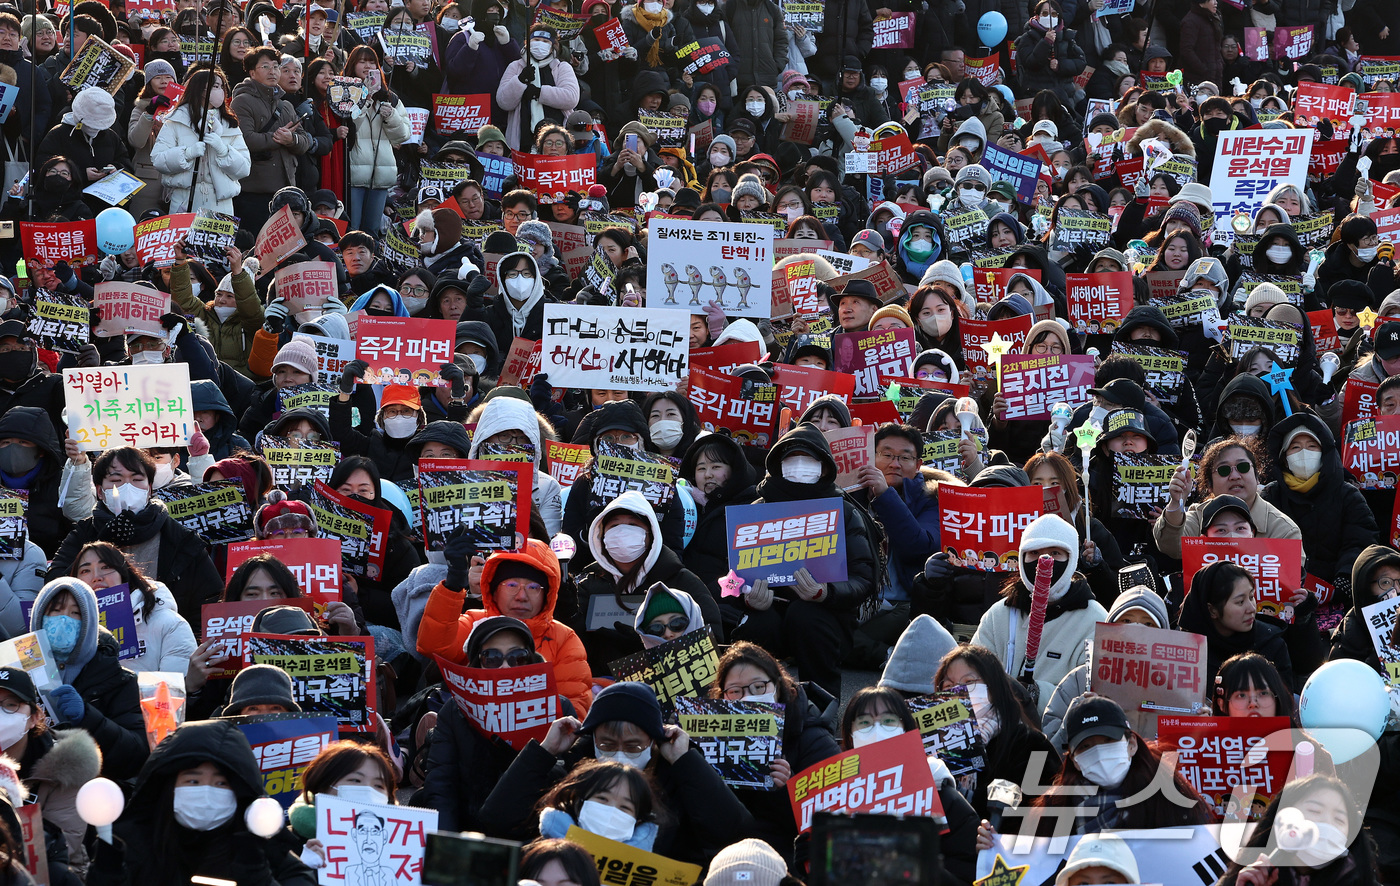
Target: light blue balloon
{"x": 991, "y": 28}
{"x": 116, "y": 230}
{"x": 1344, "y": 705}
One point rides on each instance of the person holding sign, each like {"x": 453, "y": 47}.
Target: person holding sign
{"x": 508, "y": 421}
{"x": 1375, "y": 576}
{"x": 717, "y": 474}
{"x": 379, "y": 126}
{"x": 166, "y": 640}
{"x": 186, "y": 816}
{"x": 1221, "y": 606}
{"x": 535, "y": 89}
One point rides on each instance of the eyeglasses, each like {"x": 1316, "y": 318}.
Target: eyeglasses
{"x": 518, "y": 216}
{"x": 972, "y": 186}
{"x": 511, "y": 586}
{"x": 1245, "y": 696}
{"x": 612, "y": 747}
{"x": 676, "y": 625}
{"x": 758, "y": 687}
{"x": 308, "y": 437}
{"x": 1386, "y": 585}
{"x": 517, "y": 657}
{"x": 1047, "y": 348}
{"x": 512, "y": 275}
{"x": 865, "y": 721}
{"x": 413, "y": 290}
{"x": 12, "y": 705}
{"x": 898, "y": 458}
{"x": 1242, "y": 467}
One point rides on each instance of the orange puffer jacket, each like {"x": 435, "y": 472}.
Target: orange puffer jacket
{"x": 445, "y": 627}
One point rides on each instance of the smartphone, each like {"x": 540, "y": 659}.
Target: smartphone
{"x": 874, "y": 850}
{"x": 469, "y": 859}
{"x": 630, "y": 142}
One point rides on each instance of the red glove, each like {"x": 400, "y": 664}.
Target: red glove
{"x": 199, "y": 444}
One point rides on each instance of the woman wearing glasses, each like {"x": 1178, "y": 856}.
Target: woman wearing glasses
{"x": 1228, "y": 467}
{"x": 1220, "y": 606}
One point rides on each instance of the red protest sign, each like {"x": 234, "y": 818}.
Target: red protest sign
{"x": 1382, "y": 110}
{"x": 555, "y": 175}
{"x": 522, "y": 363}
{"x": 1327, "y": 156}
{"x": 1218, "y": 755}
{"x": 1293, "y": 43}
{"x": 1146, "y": 670}
{"x": 976, "y": 333}
{"x": 47, "y": 242}
{"x": 986, "y": 71}
{"x": 229, "y": 623}
{"x": 940, "y": 387}
{"x": 875, "y": 413}
{"x": 515, "y": 704}
{"x": 1318, "y": 101}
{"x": 157, "y": 238}
{"x": 853, "y": 448}
{"x": 1324, "y": 330}
{"x": 895, "y": 32}
{"x": 128, "y": 308}
{"x": 279, "y": 238}
{"x": 461, "y": 113}
{"x": 1098, "y": 302}
{"x": 1387, "y": 224}
{"x": 745, "y": 408}
{"x": 566, "y": 460}
{"x": 404, "y": 350}
{"x": 610, "y": 36}
{"x": 874, "y": 356}
{"x": 1033, "y": 383}
{"x": 1256, "y": 47}
{"x": 894, "y": 153}
{"x": 890, "y": 776}
{"x": 1371, "y": 450}
{"x": 989, "y": 284}
{"x": 799, "y": 386}
{"x": 724, "y": 358}
{"x": 1275, "y": 563}
{"x": 363, "y": 529}
{"x": 1358, "y": 400}
{"x": 314, "y": 561}
{"x": 306, "y": 285}
{"x": 802, "y": 128}
{"x": 981, "y": 528}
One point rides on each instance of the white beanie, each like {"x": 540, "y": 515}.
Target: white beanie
{"x": 95, "y": 109}
{"x": 1265, "y": 294}
{"x": 225, "y": 285}
{"x": 947, "y": 272}
{"x": 1050, "y": 531}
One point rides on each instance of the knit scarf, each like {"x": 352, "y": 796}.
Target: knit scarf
{"x": 651, "y": 23}
{"x": 1301, "y": 485}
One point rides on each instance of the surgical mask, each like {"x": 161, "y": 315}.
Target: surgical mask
{"x": 1106, "y": 765}
{"x": 413, "y": 304}
{"x": 919, "y": 250}
{"x": 204, "y": 807}
{"x": 930, "y": 326}
{"x": 127, "y": 498}
{"x": 1367, "y": 254}
{"x": 1061, "y": 171}
{"x": 652, "y": 8}
{"x": 795, "y": 94}
{"x": 1245, "y": 430}
{"x": 216, "y": 98}
{"x": 873, "y": 733}
{"x": 756, "y": 108}
{"x": 707, "y": 108}
{"x": 705, "y": 8}
{"x": 449, "y": 24}
{"x": 17, "y": 459}
{"x": 362, "y": 793}
{"x": 717, "y": 158}
{"x": 769, "y": 697}
{"x": 879, "y": 83}
{"x": 988, "y": 720}
{"x": 62, "y": 631}
{"x": 1331, "y": 844}
{"x": 997, "y": 206}
{"x": 164, "y": 474}
{"x": 1304, "y": 463}
{"x": 477, "y": 361}
{"x": 147, "y": 358}
{"x": 970, "y": 144}
{"x": 801, "y": 469}
{"x": 625, "y": 543}
{"x": 666, "y": 433}
{"x": 400, "y": 427}
{"x": 1048, "y": 21}
{"x": 13, "y": 727}
{"x": 519, "y": 288}
{"x": 540, "y": 49}
{"x": 636, "y": 761}
{"x": 792, "y": 213}
{"x": 1278, "y": 254}
{"x": 606, "y": 821}
{"x": 1255, "y": 103}
{"x": 969, "y": 197}
{"x": 225, "y": 311}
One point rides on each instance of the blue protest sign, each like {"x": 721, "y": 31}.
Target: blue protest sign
{"x": 114, "y": 613}
{"x": 775, "y": 539}
{"x": 283, "y": 744}
{"x": 8, "y": 96}
{"x": 1020, "y": 170}
{"x": 497, "y": 170}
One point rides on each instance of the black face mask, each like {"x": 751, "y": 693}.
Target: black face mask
{"x": 491, "y": 19}
{"x": 378, "y": 312}
{"x": 1215, "y": 125}
{"x": 1058, "y": 568}
{"x": 16, "y": 366}
{"x": 598, "y": 18}
{"x": 55, "y": 183}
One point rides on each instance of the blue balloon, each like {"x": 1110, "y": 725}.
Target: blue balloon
{"x": 1344, "y": 705}
{"x": 991, "y": 28}
{"x": 116, "y": 230}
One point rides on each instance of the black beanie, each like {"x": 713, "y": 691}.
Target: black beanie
{"x": 515, "y": 569}
{"x": 628, "y": 702}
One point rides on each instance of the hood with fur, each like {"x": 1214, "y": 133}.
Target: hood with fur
{"x": 1177, "y": 141}
{"x": 73, "y": 761}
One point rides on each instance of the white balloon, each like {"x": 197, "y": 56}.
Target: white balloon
{"x": 100, "y": 802}
{"x": 264, "y": 817}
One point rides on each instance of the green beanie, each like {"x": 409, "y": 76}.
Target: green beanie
{"x": 662, "y": 604}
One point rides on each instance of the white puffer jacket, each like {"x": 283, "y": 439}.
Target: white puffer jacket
{"x": 224, "y": 164}
{"x": 372, "y": 158}
{"x": 166, "y": 639}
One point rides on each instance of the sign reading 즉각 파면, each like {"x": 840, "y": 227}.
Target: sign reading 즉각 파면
{"x": 404, "y": 350}
{"x": 315, "y": 562}
{"x": 981, "y": 527}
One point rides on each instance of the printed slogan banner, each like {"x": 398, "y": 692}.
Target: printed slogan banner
{"x": 515, "y": 704}
{"x": 127, "y": 309}
{"x": 1147, "y": 671}
{"x": 948, "y": 728}
{"x": 1166, "y": 369}
{"x": 981, "y": 527}
{"x": 773, "y": 540}
{"x": 618, "y": 469}
{"x": 218, "y": 512}
{"x": 363, "y": 530}
{"x": 1371, "y": 450}
{"x": 1218, "y": 754}
{"x": 740, "y": 739}
{"x": 616, "y": 861}
{"x": 685, "y": 666}
{"x": 873, "y": 357}
{"x": 1033, "y": 384}
{"x": 283, "y": 745}
{"x": 481, "y": 497}
{"x": 1097, "y": 302}
{"x": 1140, "y": 483}
{"x": 554, "y": 176}
{"x": 60, "y": 322}
{"x": 330, "y": 675}
{"x": 297, "y": 463}
{"x": 461, "y": 113}
{"x": 729, "y": 263}
{"x": 1275, "y": 563}
{"x": 230, "y": 624}
{"x": 890, "y": 776}
{"x": 314, "y": 561}
{"x": 404, "y": 350}
{"x": 45, "y": 243}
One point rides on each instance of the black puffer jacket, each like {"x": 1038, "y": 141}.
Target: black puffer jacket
{"x": 223, "y": 438}
{"x": 153, "y": 850}
{"x": 762, "y": 41}
{"x": 1186, "y": 411}
{"x": 1265, "y": 638}
{"x": 1034, "y": 54}
{"x": 1352, "y": 638}
{"x": 809, "y": 736}
{"x": 707, "y": 555}
{"x": 47, "y": 525}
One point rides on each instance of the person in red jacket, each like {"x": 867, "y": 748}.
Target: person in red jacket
{"x": 523, "y": 585}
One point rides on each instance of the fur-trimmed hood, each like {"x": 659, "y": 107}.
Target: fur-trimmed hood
{"x": 1179, "y": 142}
{"x": 73, "y": 761}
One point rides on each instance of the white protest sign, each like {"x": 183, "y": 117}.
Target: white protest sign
{"x": 632, "y": 349}
{"x": 1249, "y": 164}
{"x": 141, "y": 406}
{"x": 372, "y": 845}
{"x": 695, "y": 263}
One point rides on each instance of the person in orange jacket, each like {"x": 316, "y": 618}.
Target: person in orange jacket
{"x": 523, "y": 585}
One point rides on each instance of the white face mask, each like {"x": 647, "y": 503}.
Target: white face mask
{"x": 400, "y": 426}
{"x": 652, "y": 8}
{"x": 801, "y": 469}
{"x": 756, "y": 108}
{"x": 224, "y": 311}
{"x": 13, "y": 727}
{"x": 988, "y": 720}
{"x": 1366, "y": 254}
{"x": 164, "y": 474}
{"x": 414, "y": 304}
{"x": 969, "y": 197}
{"x": 879, "y": 83}
{"x": 606, "y": 821}
{"x": 1245, "y": 430}
{"x": 636, "y": 761}
{"x": 204, "y": 807}
{"x": 1106, "y": 765}
{"x": 666, "y": 433}
{"x": 719, "y": 158}
{"x": 478, "y": 361}
{"x": 625, "y": 543}
{"x": 795, "y": 94}
{"x": 1278, "y": 254}
{"x": 873, "y": 733}
{"x": 1255, "y": 103}
{"x": 1304, "y": 463}
{"x": 1048, "y": 21}
{"x": 362, "y": 793}
{"x": 519, "y": 288}
{"x": 126, "y": 498}
{"x": 449, "y": 24}
{"x": 540, "y": 49}
{"x": 769, "y": 697}
{"x": 1061, "y": 171}
{"x": 970, "y": 144}
{"x": 147, "y": 358}
{"x": 216, "y": 98}
{"x": 705, "y": 8}
{"x": 1331, "y": 844}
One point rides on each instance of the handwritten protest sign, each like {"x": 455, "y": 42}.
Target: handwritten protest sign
{"x": 981, "y": 527}
{"x": 679, "y": 667}
{"x": 515, "y": 704}
{"x": 890, "y": 776}
{"x": 729, "y": 263}
{"x": 1218, "y": 754}
{"x": 488, "y": 499}
{"x": 283, "y": 745}
{"x": 1380, "y": 624}
{"x": 218, "y": 512}
{"x": 773, "y": 540}
{"x": 1148, "y": 670}
{"x": 142, "y": 406}
{"x": 1275, "y": 563}
{"x": 363, "y": 529}
{"x": 371, "y": 845}
{"x": 949, "y": 729}
{"x": 1033, "y": 384}
{"x": 330, "y": 675}
{"x": 314, "y": 561}
{"x": 404, "y": 350}
{"x": 616, "y": 348}
{"x": 740, "y": 739}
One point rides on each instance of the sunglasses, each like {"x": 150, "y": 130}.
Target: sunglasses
{"x": 1243, "y": 467}
{"x": 676, "y": 625}
{"x": 494, "y": 658}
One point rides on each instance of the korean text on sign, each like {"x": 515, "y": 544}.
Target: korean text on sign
{"x": 774, "y": 539}
{"x": 517, "y": 704}
{"x": 141, "y": 406}
{"x": 890, "y": 776}
{"x": 404, "y": 350}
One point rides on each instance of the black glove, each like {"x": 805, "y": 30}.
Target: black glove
{"x": 540, "y": 394}
{"x": 476, "y": 291}
{"x": 88, "y": 358}
{"x": 453, "y": 373}
{"x": 62, "y": 272}
{"x": 527, "y": 74}
{"x": 458, "y": 552}
{"x": 159, "y": 103}
{"x": 273, "y": 324}
{"x": 94, "y": 317}
{"x": 176, "y": 323}
{"x": 354, "y": 371}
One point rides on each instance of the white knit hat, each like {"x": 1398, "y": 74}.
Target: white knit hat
{"x": 749, "y": 862}
{"x": 95, "y": 109}
{"x": 1100, "y": 851}
{"x": 1050, "y": 531}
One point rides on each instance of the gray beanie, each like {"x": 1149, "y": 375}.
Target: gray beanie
{"x": 916, "y": 656}
{"x": 749, "y": 184}
{"x": 1144, "y": 598}
{"x": 159, "y": 68}
{"x": 973, "y": 172}
{"x": 260, "y": 684}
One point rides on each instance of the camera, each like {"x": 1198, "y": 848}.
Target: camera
{"x": 874, "y": 850}
{"x": 469, "y": 859}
